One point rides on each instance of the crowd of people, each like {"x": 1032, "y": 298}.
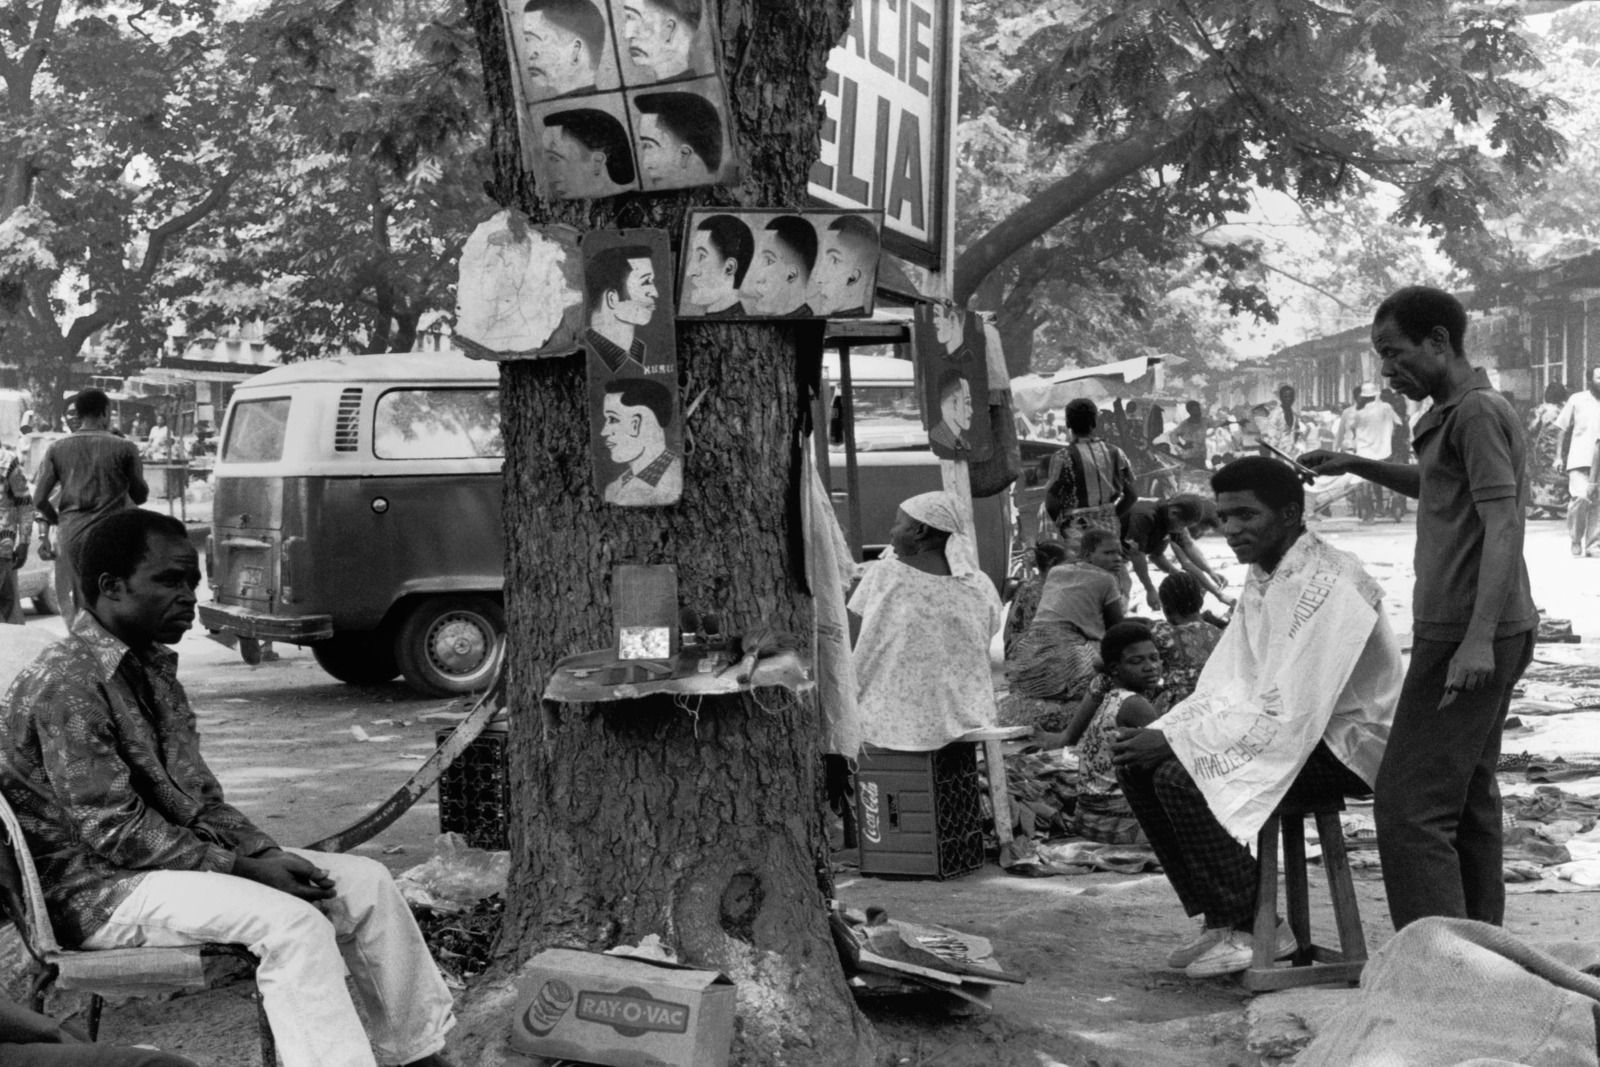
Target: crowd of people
{"x": 1191, "y": 729}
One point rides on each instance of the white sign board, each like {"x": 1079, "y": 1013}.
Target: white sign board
{"x": 886, "y": 140}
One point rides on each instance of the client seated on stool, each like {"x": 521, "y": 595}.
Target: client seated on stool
{"x": 1302, "y": 685}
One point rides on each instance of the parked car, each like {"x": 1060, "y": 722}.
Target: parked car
{"x": 357, "y": 511}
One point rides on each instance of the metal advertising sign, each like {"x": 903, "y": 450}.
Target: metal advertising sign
{"x": 886, "y": 142}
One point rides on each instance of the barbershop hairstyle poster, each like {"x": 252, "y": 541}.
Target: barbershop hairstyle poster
{"x": 519, "y": 294}
{"x": 619, "y": 95}
{"x": 739, "y": 263}
{"x": 949, "y": 352}
{"x": 635, "y": 418}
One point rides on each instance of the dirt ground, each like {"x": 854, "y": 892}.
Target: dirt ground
{"x": 279, "y": 737}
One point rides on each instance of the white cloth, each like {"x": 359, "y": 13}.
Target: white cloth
{"x": 304, "y": 949}
{"x": 830, "y": 569}
{"x": 1581, "y": 415}
{"x": 1275, "y": 431}
{"x": 1309, "y": 656}
{"x": 944, "y": 511}
{"x": 922, "y": 658}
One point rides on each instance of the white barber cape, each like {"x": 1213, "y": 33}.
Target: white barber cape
{"x": 1308, "y": 656}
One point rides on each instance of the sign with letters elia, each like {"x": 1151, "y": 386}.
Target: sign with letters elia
{"x": 622, "y": 1011}
{"x": 886, "y": 137}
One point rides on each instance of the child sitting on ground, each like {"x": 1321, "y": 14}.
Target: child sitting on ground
{"x": 1134, "y": 666}
{"x": 1185, "y": 640}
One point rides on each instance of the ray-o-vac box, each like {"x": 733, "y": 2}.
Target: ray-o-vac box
{"x": 622, "y": 1011}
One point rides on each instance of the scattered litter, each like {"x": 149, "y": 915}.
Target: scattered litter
{"x": 418, "y": 756}
{"x": 235, "y": 700}
{"x": 456, "y": 877}
{"x": 394, "y": 850}
{"x": 887, "y": 957}
{"x": 648, "y": 948}
{"x": 1104, "y": 1000}
{"x": 359, "y": 734}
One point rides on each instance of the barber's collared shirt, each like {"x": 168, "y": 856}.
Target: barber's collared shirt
{"x": 1471, "y": 450}
{"x": 100, "y": 758}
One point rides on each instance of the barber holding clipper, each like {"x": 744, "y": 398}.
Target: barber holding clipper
{"x": 1436, "y": 802}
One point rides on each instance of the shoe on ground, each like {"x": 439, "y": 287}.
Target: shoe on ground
{"x": 1184, "y": 955}
{"x": 1230, "y": 954}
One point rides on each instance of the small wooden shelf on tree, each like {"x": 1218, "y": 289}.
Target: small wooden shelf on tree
{"x": 599, "y": 676}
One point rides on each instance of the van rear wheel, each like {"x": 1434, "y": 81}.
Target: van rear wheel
{"x": 450, "y": 645}
{"x": 357, "y": 658}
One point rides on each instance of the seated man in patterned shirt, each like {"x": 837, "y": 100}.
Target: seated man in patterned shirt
{"x": 100, "y": 758}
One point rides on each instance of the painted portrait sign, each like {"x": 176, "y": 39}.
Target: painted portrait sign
{"x": 619, "y": 95}
{"x": 519, "y": 294}
{"x": 636, "y": 424}
{"x": 953, "y": 381}
{"x": 739, "y": 263}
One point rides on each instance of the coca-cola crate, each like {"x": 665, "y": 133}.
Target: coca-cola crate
{"x": 475, "y": 791}
{"x": 920, "y": 813}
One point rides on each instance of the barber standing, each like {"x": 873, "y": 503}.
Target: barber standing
{"x": 1436, "y": 803}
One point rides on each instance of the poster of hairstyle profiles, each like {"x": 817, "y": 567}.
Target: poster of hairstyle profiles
{"x": 519, "y": 294}
{"x": 635, "y": 421}
{"x": 948, "y": 348}
{"x": 619, "y": 95}
{"x": 740, "y": 263}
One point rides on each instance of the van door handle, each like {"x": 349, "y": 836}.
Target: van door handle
{"x": 245, "y": 542}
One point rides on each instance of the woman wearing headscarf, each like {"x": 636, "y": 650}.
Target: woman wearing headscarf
{"x": 1547, "y": 475}
{"x": 1050, "y": 669}
{"x": 927, "y": 614}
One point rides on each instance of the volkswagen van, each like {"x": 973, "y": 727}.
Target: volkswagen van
{"x": 357, "y": 512}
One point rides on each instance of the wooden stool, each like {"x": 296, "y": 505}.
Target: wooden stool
{"x": 989, "y": 738}
{"x": 1311, "y": 964}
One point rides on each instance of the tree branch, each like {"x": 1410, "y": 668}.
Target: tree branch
{"x": 1059, "y": 201}
{"x": 159, "y": 236}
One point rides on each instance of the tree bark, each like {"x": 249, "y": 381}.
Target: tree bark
{"x": 698, "y": 823}
{"x": 1056, "y": 203}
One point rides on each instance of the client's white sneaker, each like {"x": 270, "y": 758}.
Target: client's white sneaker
{"x": 1183, "y": 956}
{"x": 1230, "y": 953}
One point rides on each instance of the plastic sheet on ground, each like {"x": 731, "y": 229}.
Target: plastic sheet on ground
{"x": 1077, "y": 857}
{"x": 456, "y": 878}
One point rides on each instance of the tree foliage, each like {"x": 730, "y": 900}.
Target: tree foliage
{"x": 1143, "y": 128}
{"x": 354, "y": 230}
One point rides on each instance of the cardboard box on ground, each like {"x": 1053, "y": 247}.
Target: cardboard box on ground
{"x": 623, "y": 1011}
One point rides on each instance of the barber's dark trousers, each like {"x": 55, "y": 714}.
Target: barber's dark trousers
{"x": 1436, "y": 804}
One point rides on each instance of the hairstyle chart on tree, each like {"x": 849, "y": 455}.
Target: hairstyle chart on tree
{"x": 519, "y": 294}
{"x": 740, "y": 263}
{"x": 619, "y": 95}
{"x": 950, "y": 352}
{"x": 635, "y": 425}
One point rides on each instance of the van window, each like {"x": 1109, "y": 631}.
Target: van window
{"x": 437, "y": 424}
{"x": 256, "y": 431}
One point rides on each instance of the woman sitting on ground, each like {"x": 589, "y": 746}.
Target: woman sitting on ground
{"x": 1025, "y": 601}
{"x": 1134, "y": 667}
{"x": 1056, "y": 659}
{"x": 926, "y": 618}
{"x": 1185, "y": 639}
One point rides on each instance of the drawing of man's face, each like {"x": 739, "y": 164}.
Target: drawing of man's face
{"x": 710, "y": 274}
{"x": 657, "y": 39}
{"x": 665, "y": 159}
{"x": 947, "y": 326}
{"x": 636, "y": 304}
{"x": 574, "y": 169}
{"x": 559, "y": 61}
{"x": 956, "y": 407}
{"x": 625, "y": 433}
{"x": 841, "y": 275}
{"x": 777, "y": 277}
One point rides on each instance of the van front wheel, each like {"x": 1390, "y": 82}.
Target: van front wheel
{"x": 449, "y": 645}
{"x": 356, "y": 658}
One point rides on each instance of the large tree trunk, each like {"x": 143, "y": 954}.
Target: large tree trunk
{"x": 696, "y": 823}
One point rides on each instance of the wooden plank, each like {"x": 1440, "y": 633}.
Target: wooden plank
{"x": 1265, "y": 941}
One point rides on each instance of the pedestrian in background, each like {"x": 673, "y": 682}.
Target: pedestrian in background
{"x": 1581, "y": 416}
{"x": 16, "y": 527}
{"x": 1436, "y": 803}
{"x": 97, "y": 475}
